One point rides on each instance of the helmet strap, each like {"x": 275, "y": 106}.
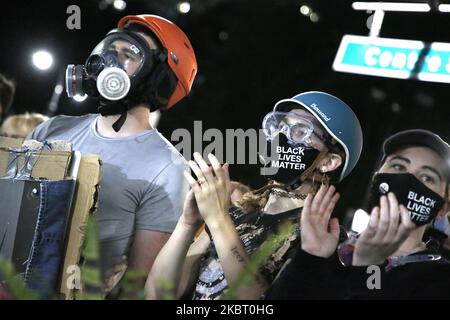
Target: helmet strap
{"x": 119, "y": 123}
{"x": 108, "y": 109}
{"x": 161, "y": 84}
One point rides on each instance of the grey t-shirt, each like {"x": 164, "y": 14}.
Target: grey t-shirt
{"x": 142, "y": 184}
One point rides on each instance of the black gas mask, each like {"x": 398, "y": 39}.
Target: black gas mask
{"x": 117, "y": 72}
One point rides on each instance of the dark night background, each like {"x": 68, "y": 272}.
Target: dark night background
{"x": 250, "y": 55}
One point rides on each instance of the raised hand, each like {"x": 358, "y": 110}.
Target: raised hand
{"x": 191, "y": 215}
{"x": 319, "y": 235}
{"x": 212, "y": 189}
{"x": 388, "y": 228}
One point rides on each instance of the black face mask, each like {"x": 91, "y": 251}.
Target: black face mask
{"x": 289, "y": 161}
{"x": 422, "y": 203}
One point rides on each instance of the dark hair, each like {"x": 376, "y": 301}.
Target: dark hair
{"x": 7, "y": 89}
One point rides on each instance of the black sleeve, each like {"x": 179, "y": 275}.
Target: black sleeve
{"x": 365, "y": 282}
{"x": 414, "y": 281}
{"x": 439, "y": 289}
{"x": 307, "y": 277}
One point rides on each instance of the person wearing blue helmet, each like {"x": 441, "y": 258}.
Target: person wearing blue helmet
{"x": 338, "y": 120}
{"x": 315, "y": 139}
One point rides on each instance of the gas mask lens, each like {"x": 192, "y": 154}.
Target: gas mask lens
{"x": 94, "y": 65}
{"x": 116, "y": 50}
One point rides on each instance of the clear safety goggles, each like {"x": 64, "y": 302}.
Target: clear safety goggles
{"x": 297, "y": 128}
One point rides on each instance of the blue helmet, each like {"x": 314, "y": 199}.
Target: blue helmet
{"x": 336, "y": 117}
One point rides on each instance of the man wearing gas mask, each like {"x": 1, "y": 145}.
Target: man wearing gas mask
{"x": 316, "y": 139}
{"x": 146, "y": 64}
{"x": 408, "y": 192}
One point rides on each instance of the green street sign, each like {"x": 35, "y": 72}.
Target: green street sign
{"x": 394, "y": 58}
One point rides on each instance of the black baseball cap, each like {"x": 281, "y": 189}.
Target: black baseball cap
{"x": 418, "y": 137}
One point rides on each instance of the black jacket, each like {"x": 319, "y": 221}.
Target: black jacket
{"x": 311, "y": 277}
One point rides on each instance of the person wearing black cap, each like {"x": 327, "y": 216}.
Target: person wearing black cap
{"x": 438, "y": 230}
{"x": 408, "y": 191}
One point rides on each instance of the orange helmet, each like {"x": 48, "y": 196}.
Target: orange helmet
{"x": 180, "y": 55}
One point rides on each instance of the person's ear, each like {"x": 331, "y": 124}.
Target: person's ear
{"x": 330, "y": 162}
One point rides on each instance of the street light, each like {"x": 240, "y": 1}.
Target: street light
{"x": 184, "y": 7}
{"x": 42, "y": 60}
{"x": 119, "y": 5}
